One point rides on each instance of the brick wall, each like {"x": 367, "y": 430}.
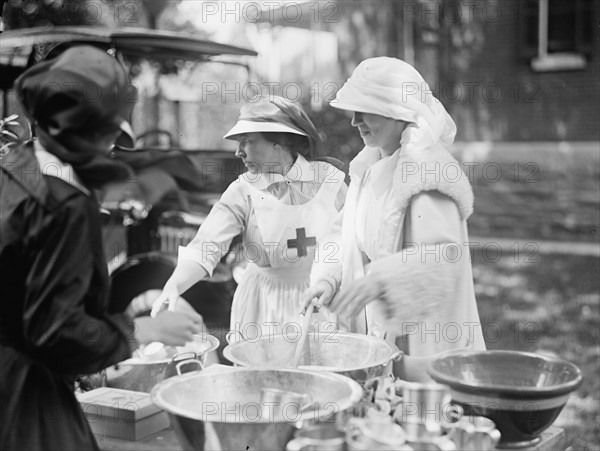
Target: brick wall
{"x": 491, "y": 90}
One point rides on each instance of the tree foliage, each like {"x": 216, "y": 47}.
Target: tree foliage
{"x": 103, "y": 13}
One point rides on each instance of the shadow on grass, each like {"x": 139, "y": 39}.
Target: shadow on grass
{"x": 548, "y": 304}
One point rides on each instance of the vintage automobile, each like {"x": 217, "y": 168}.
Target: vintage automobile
{"x": 180, "y": 163}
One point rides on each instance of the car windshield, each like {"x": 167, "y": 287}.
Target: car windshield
{"x": 199, "y": 100}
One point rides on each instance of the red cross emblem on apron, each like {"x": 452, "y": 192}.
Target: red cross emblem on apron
{"x": 302, "y": 242}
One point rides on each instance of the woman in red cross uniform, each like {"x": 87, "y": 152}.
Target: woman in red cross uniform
{"x": 283, "y": 206}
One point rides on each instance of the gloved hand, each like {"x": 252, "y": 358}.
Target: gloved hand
{"x": 323, "y": 291}
{"x": 354, "y": 297}
{"x": 167, "y": 300}
{"x": 169, "y": 328}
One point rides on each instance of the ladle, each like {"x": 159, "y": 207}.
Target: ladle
{"x": 304, "y": 332}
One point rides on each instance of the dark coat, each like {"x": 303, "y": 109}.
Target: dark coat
{"x": 53, "y": 303}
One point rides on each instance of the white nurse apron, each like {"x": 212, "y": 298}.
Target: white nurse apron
{"x": 267, "y": 299}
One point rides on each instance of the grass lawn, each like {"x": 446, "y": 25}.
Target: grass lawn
{"x": 548, "y": 304}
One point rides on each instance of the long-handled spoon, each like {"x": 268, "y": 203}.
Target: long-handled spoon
{"x": 305, "y": 324}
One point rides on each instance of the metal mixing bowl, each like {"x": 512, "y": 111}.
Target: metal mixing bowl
{"x": 139, "y": 374}
{"x": 223, "y": 410}
{"x": 521, "y": 392}
{"x": 357, "y": 356}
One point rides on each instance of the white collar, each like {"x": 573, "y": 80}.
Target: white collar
{"x": 301, "y": 171}
{"x": 382, "y": 168}
{"x": 366, "y": 158}
{"x": 382, "y": 173}
{"x": 52, "y": 166}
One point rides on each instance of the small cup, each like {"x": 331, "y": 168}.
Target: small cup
{"x": 282, "y": 405}
{"x": 441, "y": 443}
{"x": 424, "y": 406}
{"x": 375, "y": 432}
{"x": 321, "y": 437}
{"x": 474, "y": 433}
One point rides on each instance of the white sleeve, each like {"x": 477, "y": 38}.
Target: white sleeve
{"x": 329, "y": 263}
{"x": 226, "y": 220}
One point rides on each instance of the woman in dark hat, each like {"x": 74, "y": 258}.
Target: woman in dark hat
{"x": 283, "y": 207}
{"x": 53, "y": 320}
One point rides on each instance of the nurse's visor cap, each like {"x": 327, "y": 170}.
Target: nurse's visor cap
{"x": 265, "y": 116}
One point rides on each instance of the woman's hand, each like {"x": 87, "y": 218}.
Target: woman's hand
{"x": 353, "y": 298}
{"x": 169, "y": 328}
{"x": 323, "y": 291}
{"x": 413, "y": 369}
{"x": 168, "y": 297}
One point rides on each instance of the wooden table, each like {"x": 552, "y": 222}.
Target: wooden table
{"x": 552, "y": 439}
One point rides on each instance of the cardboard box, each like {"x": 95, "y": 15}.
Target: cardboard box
{"x": 124, "y": 414}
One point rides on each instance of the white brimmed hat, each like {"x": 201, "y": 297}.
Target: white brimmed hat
{"x": 392, "y": 88}
{"x": 264, "y": 116}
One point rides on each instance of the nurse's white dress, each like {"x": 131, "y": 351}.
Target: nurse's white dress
{"x": 283, "y": 221}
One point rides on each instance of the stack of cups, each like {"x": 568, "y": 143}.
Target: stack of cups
{"x": 375, "y": 432}
{"x": 426, "y": 408}
{"x": 318, "y": 437}
{"x": 474, "y": 433}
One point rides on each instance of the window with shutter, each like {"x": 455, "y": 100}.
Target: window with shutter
{"x": 556, "y": 34}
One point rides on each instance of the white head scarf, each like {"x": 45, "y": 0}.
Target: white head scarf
{"x": 392, "y": 88}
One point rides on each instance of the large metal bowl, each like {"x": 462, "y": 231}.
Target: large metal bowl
{"x": 223, "y": 410}
{"x": 357, "y": 356}
{"x": 140, "y": 374}
{"x": 521, "y": 392}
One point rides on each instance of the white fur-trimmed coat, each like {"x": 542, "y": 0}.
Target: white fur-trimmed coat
{"x": 405, "y": 224}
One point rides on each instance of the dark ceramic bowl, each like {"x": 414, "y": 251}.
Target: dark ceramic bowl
{"x": 521, "y": 392}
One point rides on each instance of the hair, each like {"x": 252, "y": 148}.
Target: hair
{"x": 300, "y": 121}
{"x": 308, "y": 146}
{"x": 296, "y": 144}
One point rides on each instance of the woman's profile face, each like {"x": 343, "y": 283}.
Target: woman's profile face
{"x": 379, "y": 131}
{"x": 258, "y": 154}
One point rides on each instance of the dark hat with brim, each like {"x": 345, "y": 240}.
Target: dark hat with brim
{"x": 81, "y": 89}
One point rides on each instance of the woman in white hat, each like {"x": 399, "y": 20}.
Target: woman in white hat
{"x": 283, "y": 206}
{"x": 404, "y": 234}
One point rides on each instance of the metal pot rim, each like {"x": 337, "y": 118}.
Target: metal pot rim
{"x": 137, "y": 361}
{"x": 395, "y": 353}
{"x": 356, "y": 392}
